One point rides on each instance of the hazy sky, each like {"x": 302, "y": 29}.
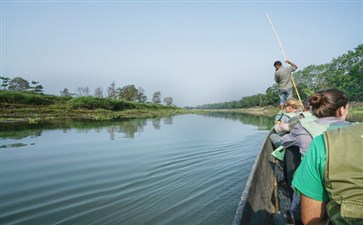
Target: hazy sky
{"x": 194, "y": 51}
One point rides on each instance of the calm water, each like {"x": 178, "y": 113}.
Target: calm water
{"x": 187, "y": 169}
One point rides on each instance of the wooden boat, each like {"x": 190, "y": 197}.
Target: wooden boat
{"x": 262, "y": 198}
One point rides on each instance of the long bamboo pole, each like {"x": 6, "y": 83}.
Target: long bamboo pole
{"x": 283, "y": 52}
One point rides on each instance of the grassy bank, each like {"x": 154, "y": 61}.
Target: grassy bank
{"x": 268, "y": 111}
{"x": 28, "y": 107}
{"x": 21, "y": 113}
{"x": 355, "y": 111}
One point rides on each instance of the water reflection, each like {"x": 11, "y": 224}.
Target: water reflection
{"x": 156, "y": 124}
{"x": 262, "y": 122}
{"x": 186, "y": 169}
{"x": 128, "y": 129}
{"x": 116, "y": 129}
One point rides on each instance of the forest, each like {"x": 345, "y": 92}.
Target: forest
{"x": 344, "y": 73}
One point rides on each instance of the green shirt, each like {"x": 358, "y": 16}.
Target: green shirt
{"x": 309, "y": 177}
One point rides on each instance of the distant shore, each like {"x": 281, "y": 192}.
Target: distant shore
{"x": 355, "y": 111}
{"x": 268, "y": 111}
{"x": 13, "y": 113}
{"x": 35, "y": 114}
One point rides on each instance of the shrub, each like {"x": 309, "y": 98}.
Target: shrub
{"x": 89, "y": 102}
{"x": 14, "y": 97}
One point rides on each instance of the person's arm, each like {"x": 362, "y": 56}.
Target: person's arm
{"x": 294, "y": 67}
{"x": 313, "y": 211}
{"x": 291, "y": 139}
{"x": 309, "y": 182}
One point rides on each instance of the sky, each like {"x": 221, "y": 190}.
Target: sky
{"x": 196, "y": 52}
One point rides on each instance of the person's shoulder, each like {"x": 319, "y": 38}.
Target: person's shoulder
{"x": 299, "y": 128}
{"x": 318, "y": 143}
{"x": 308, "y": 178}
{"x": 277, "y": 72}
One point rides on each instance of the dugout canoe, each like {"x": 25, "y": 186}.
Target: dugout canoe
{"x": 263, "y": 201}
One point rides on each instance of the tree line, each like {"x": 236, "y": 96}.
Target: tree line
{"x": 20, "y": 84}
{"x": 127, "y": 93}
{"x": 344, "y": 73}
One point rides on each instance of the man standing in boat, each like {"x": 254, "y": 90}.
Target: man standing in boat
{"x": 283, "y": 80}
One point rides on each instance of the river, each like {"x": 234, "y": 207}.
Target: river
{"x": 185, "y": 169}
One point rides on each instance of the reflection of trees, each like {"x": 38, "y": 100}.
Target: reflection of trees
{"x": 112, "y": 131}
{"x": 168, "y": 120}
{"x": 19, "y": 131}
{"x": 129, "y": 128}
{"x": 262, "y": 122}
{"x": 156, "y": 123}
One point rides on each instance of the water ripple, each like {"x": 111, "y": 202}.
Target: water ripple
{"x": 81, "y": 182}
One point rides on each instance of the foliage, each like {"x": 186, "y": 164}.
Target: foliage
{"x": 168, "y": 101}
{"x": 88, "y": 102}
{"x": 128, "y": 93}
{"x": 344, "y": 73}
{"x": 36, "y": 87}
{"x": 111, "y": 90}
{"x": 18, "y": 84}
{"x": 4, "y": 82}
{"x": 27, "y": 98}
{"x": 65, "y": 93}
{"x": 141, "y": 97}
{"x": 156, "y": 97}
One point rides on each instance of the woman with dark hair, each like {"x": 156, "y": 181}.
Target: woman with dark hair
{"x": 331, "y": 108}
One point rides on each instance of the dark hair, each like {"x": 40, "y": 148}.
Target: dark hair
{"x": 306, "y": 103}
{"x": 326, "y": 103}
{"x": 277, "y": 63}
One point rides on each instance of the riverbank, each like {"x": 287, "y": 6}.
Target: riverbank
{"x": 355, "y": 111}
{"x": 268, "y": 111}
{"x": 11, "y": 113}
{"x": 33, "y": 108}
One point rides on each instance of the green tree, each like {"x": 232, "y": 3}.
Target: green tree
{"x": 18, "y": 84}
{"x": 271, "y": 97}
{"x": 156, "y": 97}
{"x": 344, "y": 73}
{"x": 4, "y": 82}
{"x": 65, "y": 92}
{"x": 36, "y": 87}
{"x": 141, "y": 97}
{"x": 128, "y": 92}
{"x": 168, "y": 101}
{"x": 111, "y": 90}
{"x": 347, "y": 73}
